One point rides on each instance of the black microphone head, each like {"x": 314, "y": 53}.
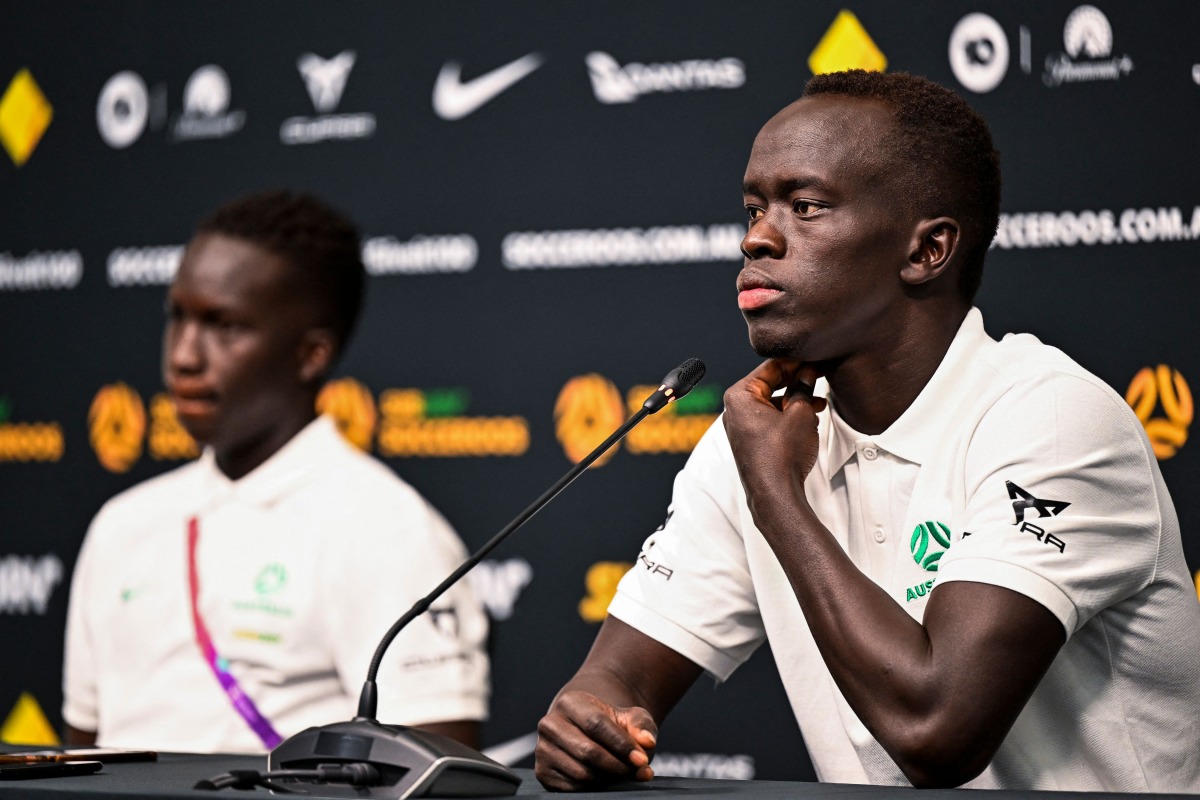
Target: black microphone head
{"x": 678, "y": 382}
{"x": 685, "y": 377}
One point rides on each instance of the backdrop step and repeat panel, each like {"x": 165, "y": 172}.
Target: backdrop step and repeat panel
{"x": 549, "y": 194}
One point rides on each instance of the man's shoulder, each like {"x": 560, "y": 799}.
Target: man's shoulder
{"x": 1023, "y": 359}
{"x": 359, "y": 472}
{"x": 369, "y": 487}
{"x": 165, "y": 490}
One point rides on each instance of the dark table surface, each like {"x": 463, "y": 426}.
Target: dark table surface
{"x": 174, "y": 774}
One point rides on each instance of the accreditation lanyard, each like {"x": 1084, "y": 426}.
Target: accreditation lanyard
{"x": 220, "y": 667}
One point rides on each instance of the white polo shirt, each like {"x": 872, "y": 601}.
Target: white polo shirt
{"x": 1014, "y": 467}
{"x": 303, "y": 565}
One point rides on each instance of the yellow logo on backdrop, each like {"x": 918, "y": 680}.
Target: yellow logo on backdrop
{"x": 352, "y": 407}
{"x": 424, "y": 423}
{"x": 676, "y": 428}
{"x": 587, "y": 410}
{"x": 1165, "y": 387}
{"x": 27, "y": 724}
{"x": 846, "y": 45}
{"x": 411, "y": 423}
{"x": 28, "y": 441}
{"x": 169, "y": 440}
{"x": 116, "y": 425}
{"x": 24, "y": 116}
{"x": 601, "y": 583}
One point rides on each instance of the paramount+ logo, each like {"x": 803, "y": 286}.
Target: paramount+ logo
{"x": 119, "y": 429}
{"x": 1161, "y": 399}
{"x": 420, "y": 423}
{"x": 589, "y": 408}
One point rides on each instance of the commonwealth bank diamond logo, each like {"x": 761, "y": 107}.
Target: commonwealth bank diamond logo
{"x": 24, "y": 116}
{"x": 846, "y": 45}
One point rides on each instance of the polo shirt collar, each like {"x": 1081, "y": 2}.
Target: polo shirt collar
{"x": 281, "y": 474}
{"x": 913, "y": 437}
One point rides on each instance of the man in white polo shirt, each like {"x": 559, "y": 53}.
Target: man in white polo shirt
{"x": 961, "y": 550}
{"x": 238, "y": 599}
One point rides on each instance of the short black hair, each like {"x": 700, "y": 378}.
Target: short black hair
{"x": 322, "y": 245}
{"x": 952, "y": 167}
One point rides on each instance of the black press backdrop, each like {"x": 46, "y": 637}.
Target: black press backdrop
{"x": 557, "y": 228}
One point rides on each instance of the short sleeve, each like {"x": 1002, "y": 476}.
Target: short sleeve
{"x": 436, "y": 669}
{"x": 691, "y": 587}
{"x": 1062, "y": 504}
{"x": 80, "y": 697}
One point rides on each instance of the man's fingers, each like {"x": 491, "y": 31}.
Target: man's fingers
{"x": 585, "y": 742}
{"x": 584, "y": 746}
{"x": 561, "y": 770}
{"x": 770, "y": 375}
{"x": 801, "y": 387}
{"x": 643, "y": 730}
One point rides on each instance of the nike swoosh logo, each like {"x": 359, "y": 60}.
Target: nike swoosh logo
{"x": 510, "y": 752}
{"x": 453, "y": 99}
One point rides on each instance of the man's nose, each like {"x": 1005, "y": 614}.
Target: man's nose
{"x": 185, "y": 347}
{"x": 763, "y": 240}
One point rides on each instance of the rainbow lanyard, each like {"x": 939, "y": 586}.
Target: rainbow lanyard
{"x": 220, "y": 667}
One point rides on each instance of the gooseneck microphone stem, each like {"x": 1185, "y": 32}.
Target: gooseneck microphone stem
{"x": 675, "y": 385}
{"x": 368, "y": 700}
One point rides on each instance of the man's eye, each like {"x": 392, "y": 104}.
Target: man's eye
{"x": 805, "y": 207}
{"x": 754, "y": 212}
{"x": 228, "y": 326}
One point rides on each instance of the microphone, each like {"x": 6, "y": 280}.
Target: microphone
{"x": 416, "y": 763}
{"x": 678, "y": 382}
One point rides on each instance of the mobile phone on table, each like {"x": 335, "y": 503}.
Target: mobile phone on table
{"x": 101, "y": 754}
{"x": 47, "y": 769}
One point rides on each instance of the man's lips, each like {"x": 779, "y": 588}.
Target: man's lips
{"x": 192, "y": 400}
{"x": 755, "y": 291}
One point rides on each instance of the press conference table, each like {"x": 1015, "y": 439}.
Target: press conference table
{"x": 173, "y": 775}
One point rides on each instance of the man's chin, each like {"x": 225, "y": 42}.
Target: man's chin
{"x": 201, "y": 429}
{"x": 772, "y": 347}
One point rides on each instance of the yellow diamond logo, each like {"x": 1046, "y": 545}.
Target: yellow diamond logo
{"x": 27, "y": 724}
{"x": 846, "y": 45}
{"x": 24, "y": 116}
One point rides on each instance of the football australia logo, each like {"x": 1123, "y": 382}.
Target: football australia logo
{"x": 351, "y": 406}
{"x": 928, "y": 544}
{"x": 1162, "y": 401}
{"x": 116, "y": 425}
{"x": 587, "y": 410}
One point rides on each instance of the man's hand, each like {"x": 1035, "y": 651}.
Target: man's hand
{"x": 585, "y": 743}
{"x": 774, "y": 439}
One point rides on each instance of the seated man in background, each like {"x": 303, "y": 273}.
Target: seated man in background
{"x": 238, "y": 599}
{"x": 1059, "y": 647}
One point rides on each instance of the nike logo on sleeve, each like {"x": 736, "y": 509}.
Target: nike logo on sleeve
{"x": 453, "y": 99}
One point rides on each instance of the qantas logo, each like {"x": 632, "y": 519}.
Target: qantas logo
{"x": 1023, "y": 501}
{"x": 453, "y": 99}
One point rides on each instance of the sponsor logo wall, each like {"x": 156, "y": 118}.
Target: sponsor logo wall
{"x": 551, "y": 222}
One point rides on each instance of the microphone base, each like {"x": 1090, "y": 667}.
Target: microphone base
{"x": 411, "y": 762}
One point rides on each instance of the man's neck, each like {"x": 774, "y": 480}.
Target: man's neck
{"x": 239, "y": 461}
{"x": 870, "y": 393}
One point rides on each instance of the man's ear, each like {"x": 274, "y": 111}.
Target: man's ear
{"x": 934, "y": 245}
{"x": 316, "y": 352}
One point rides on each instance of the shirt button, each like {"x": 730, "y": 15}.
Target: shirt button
{"x": 870, "y": 453}
{"x": 880, "y": 535}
